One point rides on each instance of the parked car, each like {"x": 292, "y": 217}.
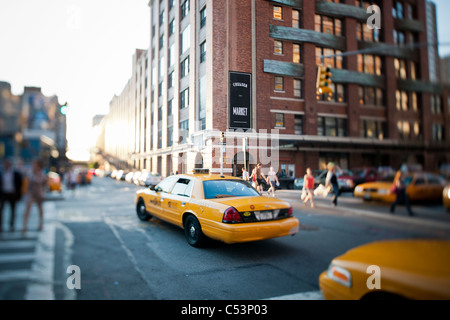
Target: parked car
{"x": 390, "y": 270}
{"x": 420, "y": 187}
{"x": 212, "y": 206}
{"x": 363, "y": 175}
{"x": 345, "y": 180}
{"x": 152, "y": 179}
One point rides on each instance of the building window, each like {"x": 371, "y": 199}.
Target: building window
{"x": 436, "y": 105}
{"x": 159, "y": 139}
{"x": 184, "y": 9}
{"x": 295, "y": 19}
{"x": 170, "y": 107}
{"x": 185, "y": 39}
{"x": 278, "y": 47}
{"x": 298, "y": 88}
{"x": 371, "y": 96}
{"x": 363, "y": 33}
{"x": 184, "y": 99}
{"x": 279, "y": 120}
{"x": 160, "y": 113}
{"x": 402, "y": 102}
{"x": 171, "y": 27}
{"x": 296, "y": 53}
{"x": 369, "y": 64}
{"x": 373, "y": 129}
{"x": 404, "y": 130}
{"x": 279, "y": 84}
{"x": 202, "y": 17}
{"x": 338, "y": 94}
{"x": 170, "y": 80}
{"x": 332, "y": 127}
{"x": 332, "y": 58}
{"x": 328, "y": 25}
{"x": 438, "y": 132}
{"x": 184, "y": 131}
{"x": 298, "y": 124}
{"x": 203, "y": 51}
{"x": 277, "y": 13}
{"x": 161, "y": 18}
{"x": 169, "y": 136}
{"x": 184, "y": 68}
{"x": 161, "y": 41}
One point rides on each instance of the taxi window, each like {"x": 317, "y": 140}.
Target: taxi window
{"x": 183, "y": 187}
{"x": 420, "y": 181}
{"x": 167, "y": 184}
{"x": 228, "y": 188}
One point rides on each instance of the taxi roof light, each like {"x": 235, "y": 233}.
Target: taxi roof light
{"x": 200, "y": 171}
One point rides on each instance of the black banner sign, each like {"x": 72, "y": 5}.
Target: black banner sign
{"x": 240, "y": 104}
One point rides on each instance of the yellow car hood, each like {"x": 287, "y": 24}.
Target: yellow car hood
{"x": 377, "y": 185}
{"x": 418, "y": 256}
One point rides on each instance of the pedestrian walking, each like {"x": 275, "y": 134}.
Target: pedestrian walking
{"x": 331, "y": 182}
{"x": 10, "y": 191}
{"x": 399, "y": 189}
{"x": 272, "y": 181}
{"x": 257, "y": 176}
{"x": 35, "y": 193}
{"x": 308, "y": 187}
{"x": 245, "y": 174}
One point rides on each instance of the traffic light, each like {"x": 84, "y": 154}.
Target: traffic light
{"x": 222, "y": 138}
{"x": 64, "y": 108}
{"x": 324, "y": 79}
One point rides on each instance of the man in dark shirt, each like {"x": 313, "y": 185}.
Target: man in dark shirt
{"x": 10, "y": 190}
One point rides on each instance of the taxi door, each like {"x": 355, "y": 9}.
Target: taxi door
{"x": 177, "y": 201}
{"x": 158, "y": 195}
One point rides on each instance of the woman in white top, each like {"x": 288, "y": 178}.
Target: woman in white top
{"x": 272, "y": 180}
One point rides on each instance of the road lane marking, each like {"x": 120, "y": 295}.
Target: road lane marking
{"x": 15, "y": 275}
{"x": 17, "y": 244}
{"x": 310, "y": 295}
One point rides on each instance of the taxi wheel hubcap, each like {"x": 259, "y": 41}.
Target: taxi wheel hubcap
{"x": 192, "y": 230}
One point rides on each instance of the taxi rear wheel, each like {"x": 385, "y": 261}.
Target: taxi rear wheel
{"x": 141, "y": 211}
{"x": 193, "y": 232}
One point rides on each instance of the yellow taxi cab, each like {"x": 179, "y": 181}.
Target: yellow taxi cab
{"x": 446, "y": 197}
{"x": 223, "y": 208}
{"x": 391, "y": 269}
{"x": 420, "y": 186}
{"x": 54, "y": 181}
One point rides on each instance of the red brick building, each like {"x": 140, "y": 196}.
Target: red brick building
{"x": 248, "y": 68}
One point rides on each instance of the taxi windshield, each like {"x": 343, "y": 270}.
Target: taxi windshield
{"x": 215, "y": 189}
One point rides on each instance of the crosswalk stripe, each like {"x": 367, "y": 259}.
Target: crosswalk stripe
{"x": 14, "y": 275}
{"x": 17, "y": 244}
{"x": 310, "y": 295}
{"x": 16, "y": 257}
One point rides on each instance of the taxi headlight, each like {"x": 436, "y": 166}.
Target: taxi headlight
{"x": 448, "y": 193}
{"x": 358, "y": 189}
{"x": 340, "y": 275}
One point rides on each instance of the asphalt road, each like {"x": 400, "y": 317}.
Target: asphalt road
{"x": 121, "y": 257}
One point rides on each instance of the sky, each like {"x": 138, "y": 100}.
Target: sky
{"x": 82, "y": 52}
{"x": 79, "y": 50}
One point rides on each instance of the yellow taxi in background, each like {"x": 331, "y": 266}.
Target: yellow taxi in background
{"x": 394, "y": 269}
{"x": 54, "y": 181}
{"x": 421, "y": 186}
{"x": 446, "y": 197}
{"x": 223, "y": 208}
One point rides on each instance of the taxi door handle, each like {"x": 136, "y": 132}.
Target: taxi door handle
{"x": 162, "y": 199}
{"x": 183, "y": 204}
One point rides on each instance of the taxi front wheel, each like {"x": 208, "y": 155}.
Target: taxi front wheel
{"x": 141, "y": 211}
{"x": 193, "y": 232}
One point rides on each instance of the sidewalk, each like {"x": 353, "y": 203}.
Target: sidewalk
{"x": 27, "y": 260}
{"x": 433, "y": 215}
